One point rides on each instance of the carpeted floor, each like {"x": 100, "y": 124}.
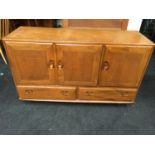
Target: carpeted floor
{"x": 17, "y": 117}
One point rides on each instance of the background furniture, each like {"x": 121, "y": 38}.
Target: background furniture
{"x": 15, "y": 23}
{"x": 77, "y": 65}
{"x": 4, "y": 30}
{"x": 96, "y": 23}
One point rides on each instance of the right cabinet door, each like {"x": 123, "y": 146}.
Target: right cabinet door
{"x": 124, "y": 66}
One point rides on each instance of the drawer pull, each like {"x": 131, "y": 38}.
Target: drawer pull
{"x": 28, "y": 91}
{"x": 65, "y": 92}
{"x": 124, "y": 94}
{"x": 89, "y": 93}
{"x": 106, "y": 65}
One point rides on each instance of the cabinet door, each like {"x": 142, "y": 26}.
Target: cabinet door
{"x": 31, "y": 63}
{"x": 124, "y": 66}
{"x": 78, "y": 64}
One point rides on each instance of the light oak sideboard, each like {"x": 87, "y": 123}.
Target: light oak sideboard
{"x": 77, "y": 65}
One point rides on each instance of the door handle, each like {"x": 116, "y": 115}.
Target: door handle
{"x": 51, "y": 64}
{"x": 106, "y": 65}
{"x": 60, "y": 65}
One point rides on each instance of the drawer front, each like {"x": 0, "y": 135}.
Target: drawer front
{"x": 46, "y": 93}
{"x": 107, "y": 94}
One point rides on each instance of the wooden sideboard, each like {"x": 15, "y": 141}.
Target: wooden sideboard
{"x": 77, "y": 65}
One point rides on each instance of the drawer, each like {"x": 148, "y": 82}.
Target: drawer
{"x": 46, "y": 92}
{"x": 107, "y": 94}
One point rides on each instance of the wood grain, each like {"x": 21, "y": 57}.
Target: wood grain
{"x": 31, "y": 62}
{"x": 77, "y": 65}
{"x": 46, "y": 92}
{"x": 96, "y": 23}
{"x": 80, "y": 64}
{"x": 109, "y": 94}
{"x": 126, "y": 65}
{"x": 82, "y": 36}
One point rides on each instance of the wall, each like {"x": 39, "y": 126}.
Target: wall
{"x": 134, "y": 24}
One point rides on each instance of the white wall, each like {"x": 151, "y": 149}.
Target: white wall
{"x": 134, "y": 24}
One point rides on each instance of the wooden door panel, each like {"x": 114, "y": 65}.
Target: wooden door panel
{"x": 31, "y": 62}
{"x": 78, "y": 64}
{"x": 123, "y": 66}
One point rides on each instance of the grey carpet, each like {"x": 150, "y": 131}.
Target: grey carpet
{"x": 18, "y": 117}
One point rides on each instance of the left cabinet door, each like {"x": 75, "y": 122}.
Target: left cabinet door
{"x": 31, "y": 63}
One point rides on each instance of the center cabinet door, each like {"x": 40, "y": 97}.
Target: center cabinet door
{"x": 32, "y": 63}
{"x": 78, "y": 64}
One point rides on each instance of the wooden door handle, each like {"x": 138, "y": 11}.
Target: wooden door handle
{"x": 60, "y": 65}
{"x": 106, "y": 65}
{"x": 51, "y": 64}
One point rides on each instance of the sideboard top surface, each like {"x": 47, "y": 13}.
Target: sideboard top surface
{"x": 72, "y": 35}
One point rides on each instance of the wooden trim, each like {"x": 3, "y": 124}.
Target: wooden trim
{"x": 63, "y": 35}
{"x": 125, "y": 24}
{"x": 81, "y": 101}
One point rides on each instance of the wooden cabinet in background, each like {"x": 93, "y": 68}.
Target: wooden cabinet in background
{"x": 121, "y": 24}
{"x": 77, "y": 65}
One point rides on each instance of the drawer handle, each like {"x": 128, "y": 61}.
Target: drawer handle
{"x": 106, "y": 65}
{"x": 124, "y": 94}
{"x": 89, "y": 93}
{"x": 28, "y": 91}
{"x": 65, "y": 92}
{"x": 51, "y": 64}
